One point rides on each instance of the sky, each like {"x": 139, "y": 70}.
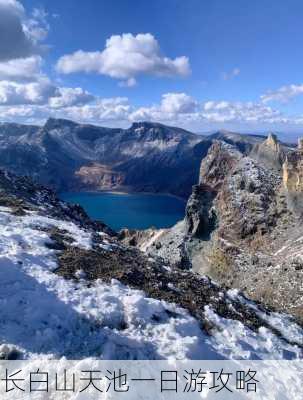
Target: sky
{"x": 201, "y": 65}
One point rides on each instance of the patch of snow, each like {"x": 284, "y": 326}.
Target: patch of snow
{"x": 233, "y": 293}
{"x": 80, "y": 274}
{"x": 173, "y": 288}
{"x": 233, "y": 337}
{"x": 5, "y": 209}
{"x": 106, "y": 246}
{"x": 43, "y": 315}
{"x": 80, "y": 237}
{"x": 103, "y": 234}
{"x": 281, "y": 322}
{"x": 289, "y": 329}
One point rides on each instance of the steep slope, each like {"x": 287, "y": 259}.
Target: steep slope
{"x": 98, "y": 298}
{"x": 243, "y": 224}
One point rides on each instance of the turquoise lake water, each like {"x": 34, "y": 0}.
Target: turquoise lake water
{"x": 134, "y": 211}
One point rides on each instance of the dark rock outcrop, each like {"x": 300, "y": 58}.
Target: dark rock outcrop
{"x": 199, "y": 216}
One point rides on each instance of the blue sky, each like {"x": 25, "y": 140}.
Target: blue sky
{"x": 202, "y": 65}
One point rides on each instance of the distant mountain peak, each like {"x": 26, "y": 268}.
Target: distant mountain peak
{"x": 53, "y": 123}
{"x": 272, "y": 140}
{"x": 146, "y": 125}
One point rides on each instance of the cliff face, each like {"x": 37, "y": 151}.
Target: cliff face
{"x": 255, "y": 223}
{"x": 98, "y": 177}
{"x": 200, "y": 217}
{"x": 293, "y": 171}
{"x": 241, "y": 227}
{"x": 293, "y": 178}
{"x": 242, "y": 192}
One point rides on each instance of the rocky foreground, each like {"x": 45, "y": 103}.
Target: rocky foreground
{"x": 69, "y": 287}
{"x": 243, "y": 224}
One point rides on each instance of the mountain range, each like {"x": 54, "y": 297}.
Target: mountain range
{"x": 147, "y": 157}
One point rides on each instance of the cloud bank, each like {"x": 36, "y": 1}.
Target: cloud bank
{"x": 174, "y": 109}
{"x": 283, "y": 94}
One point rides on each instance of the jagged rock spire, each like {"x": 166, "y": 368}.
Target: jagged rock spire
{"x": 272, "y": 137}
{"x": 272, "y": 141}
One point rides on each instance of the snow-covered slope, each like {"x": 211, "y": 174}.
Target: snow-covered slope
{"x": 43, "y": 314}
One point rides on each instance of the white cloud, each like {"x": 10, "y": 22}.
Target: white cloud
{"x": 124, "y": 57}
{"x": 108, "y": 111}
{"x": 232, "y": 74}
{"x": 20, "y": 35}
{"x": 179, "y": 108}
{"x": 103, "y": 110}
{"x": 33, "y": 105}
{"x": 21, "y": 79}
{"x": 67, "y": 97}
{"x": 22, "y": 82}
{"x": 211, "y": 105}
{"x": 172, "y": 106}
{"x": 42, "y": 92}
{"x": 178, "y": 103}
{"x": 283, "y": 94}
{"x": 248, "y": 112}
{"x": 21, "y": 69}
{"x": 13, "y": 93}
{"x": 18, "y": 113}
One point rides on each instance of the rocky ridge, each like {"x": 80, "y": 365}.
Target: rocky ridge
{"x": 243, "y": 224}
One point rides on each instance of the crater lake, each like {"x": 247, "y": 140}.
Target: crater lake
{"x": 133, "y": 211}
